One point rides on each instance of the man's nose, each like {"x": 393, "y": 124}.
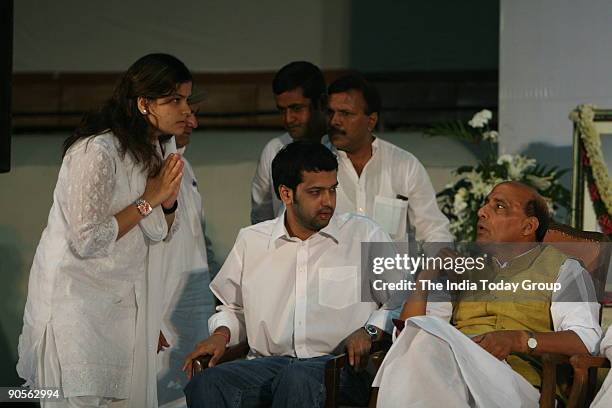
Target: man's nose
{"x": 482, "y": 213}
{"x": 328, "y": 199}
{"x": 289, "y": 117}
{"x": 334, "y": 120}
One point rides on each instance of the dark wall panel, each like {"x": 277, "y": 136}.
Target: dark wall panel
{"x": 424, "y": 36}
{"x": 6, "y": 64}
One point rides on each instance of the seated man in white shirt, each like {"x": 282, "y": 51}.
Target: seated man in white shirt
{"x": 377, "y": 178}
{"x": 434, "y": 364}
{"x": 290, "y": 287}
{"x": 301, "y": 98}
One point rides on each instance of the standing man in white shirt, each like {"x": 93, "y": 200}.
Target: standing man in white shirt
{"x": 301, "y": 95}
{"x": 186, "y": 261}
{"x": 377, "y": 178}
{"x": 291, "y": 287}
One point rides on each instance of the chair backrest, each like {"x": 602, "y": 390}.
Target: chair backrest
{"x": 592, "y": 248}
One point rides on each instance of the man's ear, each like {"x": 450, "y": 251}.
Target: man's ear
{"x": 286, "y": 194}
{"x": 530, "y": 226}
{"x": 372, "y": 121}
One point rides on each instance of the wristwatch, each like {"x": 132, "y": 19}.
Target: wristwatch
{"x": 532, "y": 342}
{"x": 372, "y": 331}
{"x": 143, "y": 206}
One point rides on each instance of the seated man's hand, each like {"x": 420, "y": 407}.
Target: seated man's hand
{"x": 502, "y": 343}
{"x": 213, "y": 346}
{"x": 358, "y": 346}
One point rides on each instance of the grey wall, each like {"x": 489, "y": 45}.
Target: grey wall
{"x": 554, "y": 55}
{"x": 244, "y": 35}
{"x": 219, "y": 36}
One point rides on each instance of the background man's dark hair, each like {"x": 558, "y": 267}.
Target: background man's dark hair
{"x": 356, "y": 82}
{"x": 536, "y": 207}
{"x": 304, "y": 75}
{"x": 297, "y": 157}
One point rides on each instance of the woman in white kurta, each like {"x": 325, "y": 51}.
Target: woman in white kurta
{"x": 86, "y": 314}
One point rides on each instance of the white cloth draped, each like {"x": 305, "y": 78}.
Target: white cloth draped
{"x": 432, "y": 364}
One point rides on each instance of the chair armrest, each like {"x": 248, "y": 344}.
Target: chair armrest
{"x": 585, "y": 361}
{"x": 581, "y": 363}
{"x": 554, "y": 358}
{"x": 337, "y": 363}
{"x": 236, "y": 352}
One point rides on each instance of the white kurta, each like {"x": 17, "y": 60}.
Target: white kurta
{"x": 86, "y": 289}
{"x": 188, "y": 301}
{"x": 603, "y": 399}
{"x": 390, "y": 173}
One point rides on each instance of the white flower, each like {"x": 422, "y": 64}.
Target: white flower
{"x": 504, "y": 158}
{"x": 459, "y": 203}
{"x": 550, "y": 205}
{"x": 491, "y": 135}
{"x": 519, "y": 165}
{"x": 516, "y": 165}
{"x": 480, "y": 119}
{"x": 479, "y": 187}
{"x": 541, "y": 183}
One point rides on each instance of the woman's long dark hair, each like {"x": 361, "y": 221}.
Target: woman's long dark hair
{"x": 152, "y": 76}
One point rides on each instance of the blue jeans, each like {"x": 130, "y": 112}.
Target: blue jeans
{"x": 273, "y": 381}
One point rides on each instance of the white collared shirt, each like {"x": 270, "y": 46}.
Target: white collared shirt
{"x": 298, "y": 298}
{"x": 265, "y": 205}
{"x": 392, "y": 172}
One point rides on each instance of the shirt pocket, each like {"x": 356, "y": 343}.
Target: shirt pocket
{"x": 338, "y": 287}
{"x": 391, "y": 214}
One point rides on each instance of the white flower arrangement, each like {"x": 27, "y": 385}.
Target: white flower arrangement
{"x": 461, "y": 199}
{"x": 480, "y": 119}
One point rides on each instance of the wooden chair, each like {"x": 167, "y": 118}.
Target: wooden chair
{"x": 332, "y": 368}
{"x": 336, "y": 364}
{"x": 595, "y": 256}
